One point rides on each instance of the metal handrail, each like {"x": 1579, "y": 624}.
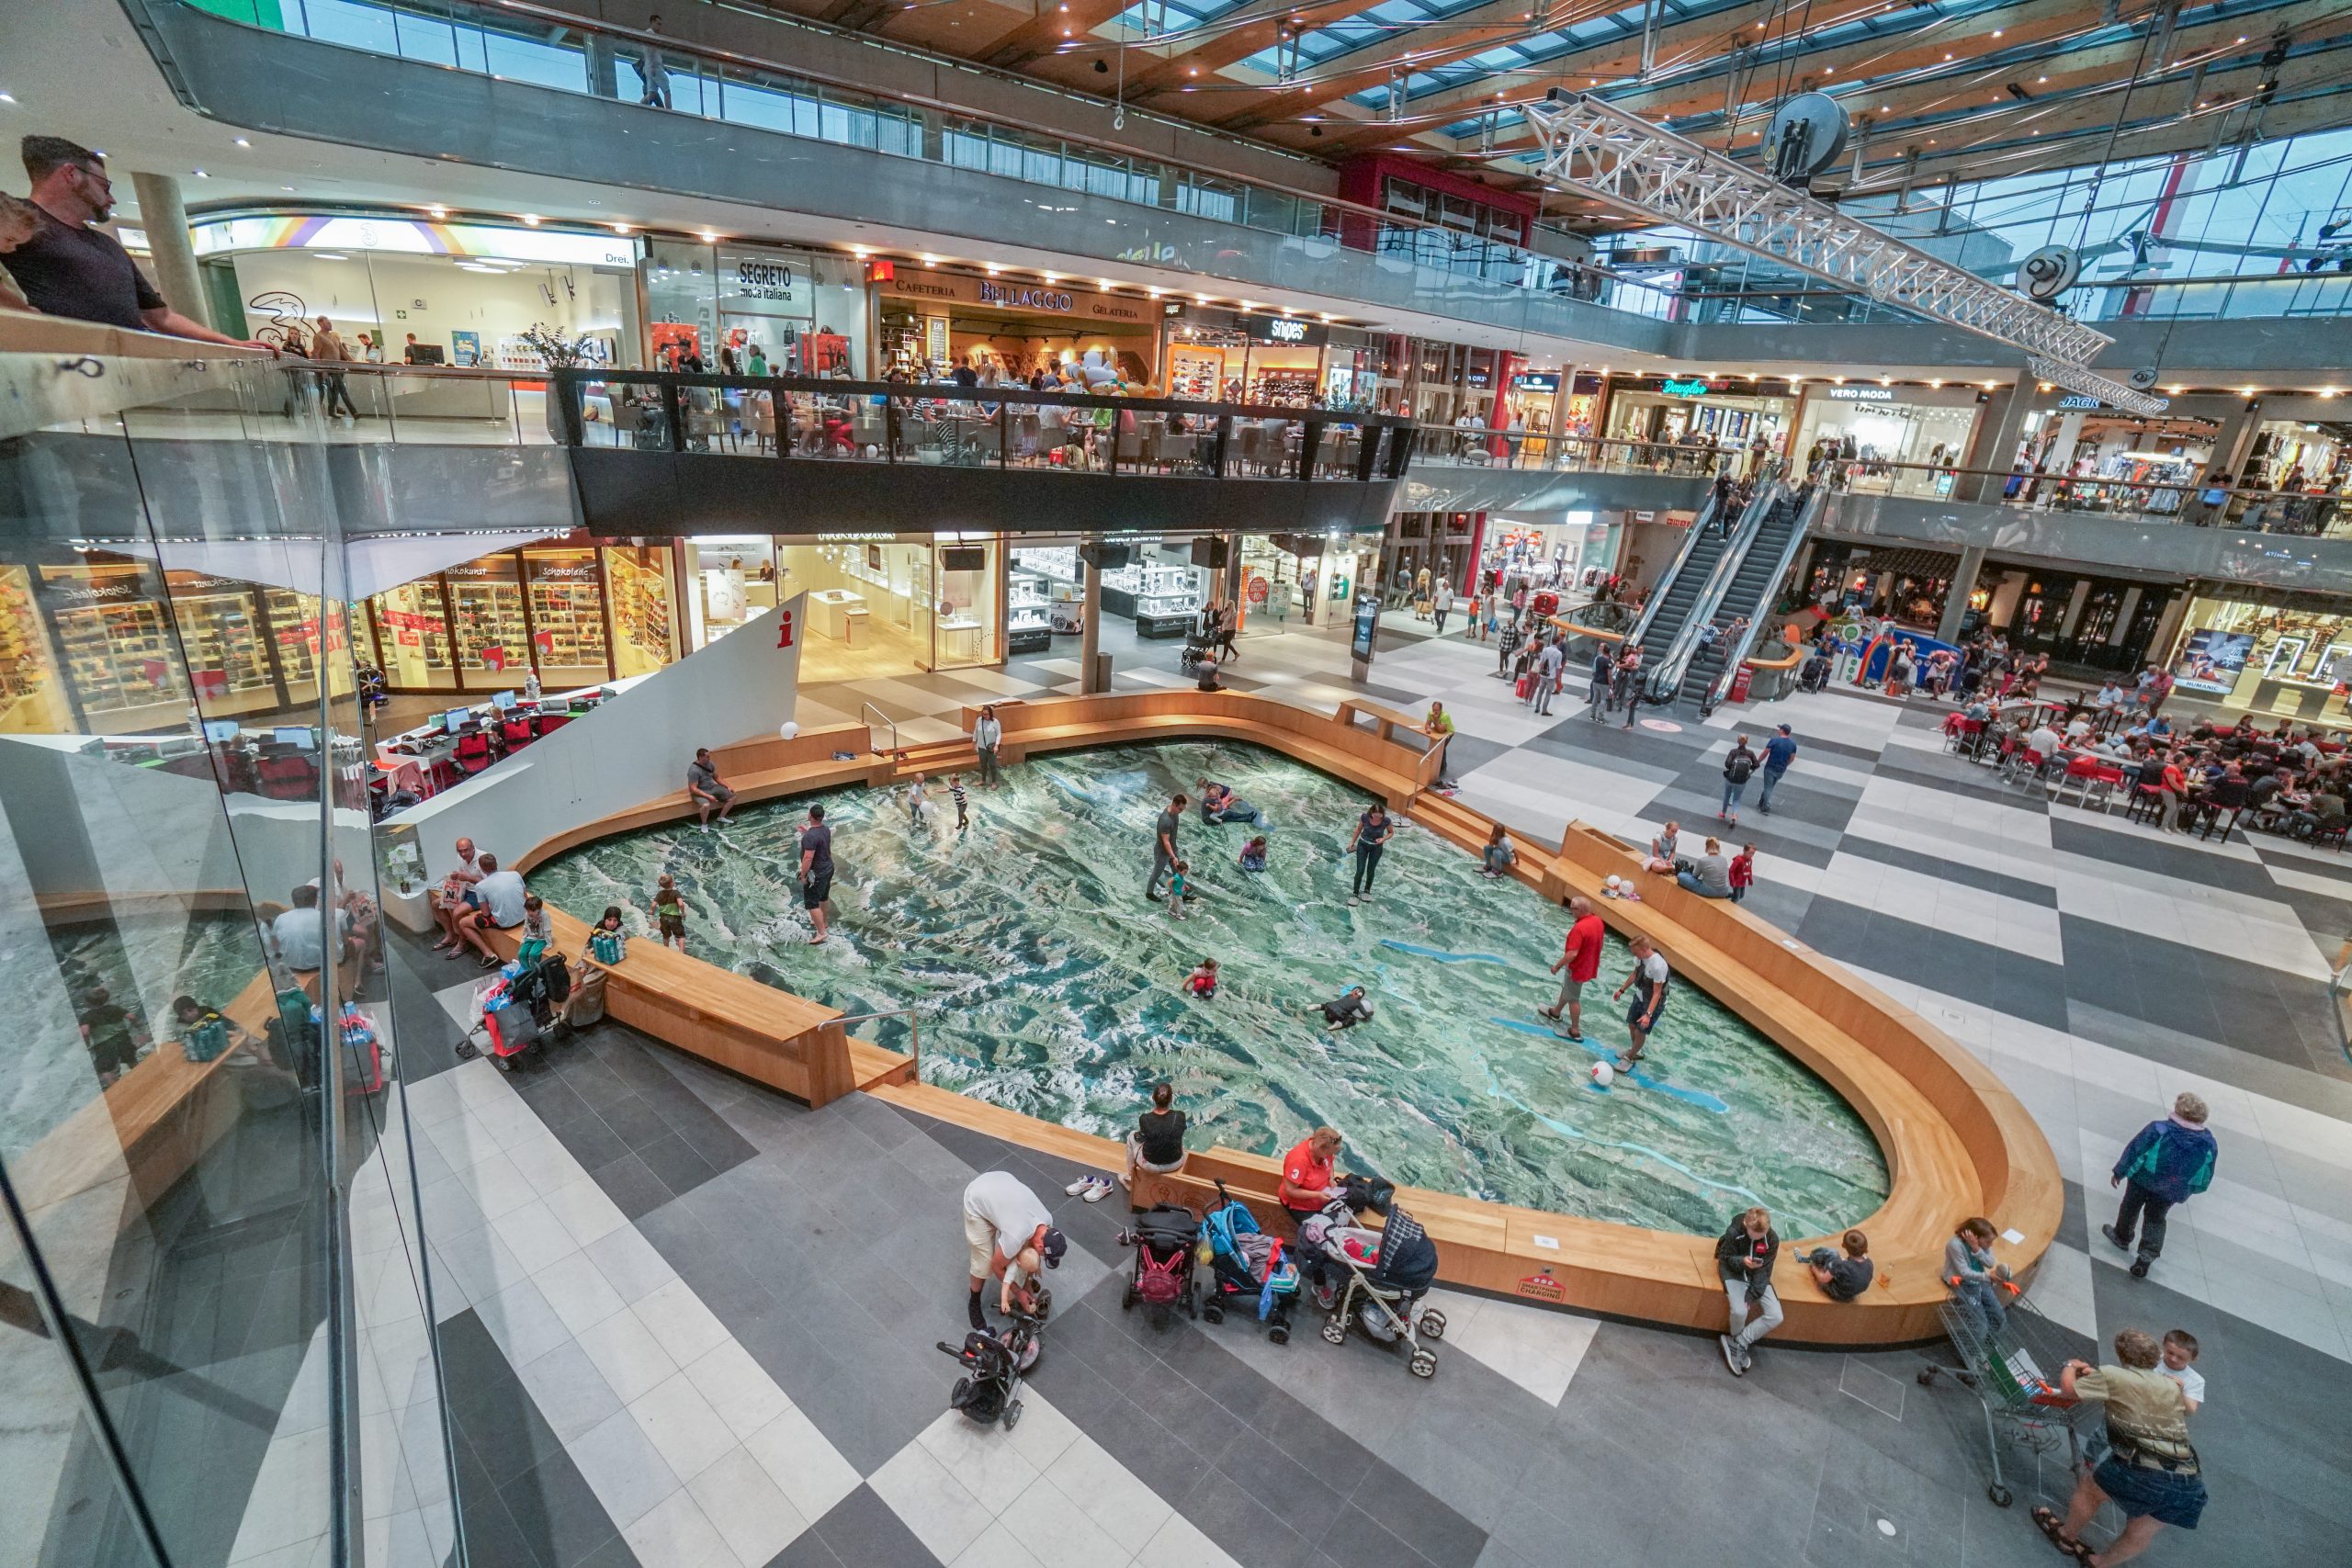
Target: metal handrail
{"x": 1665, "y": 678}
{"x": 1737, "y": 654}
{"x": 867, "y": 707}
{"x": 914, "y": 1029}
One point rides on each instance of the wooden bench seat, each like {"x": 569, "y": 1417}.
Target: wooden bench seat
{"x": 770, "y": 1036}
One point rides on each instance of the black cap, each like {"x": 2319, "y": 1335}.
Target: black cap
{"x": 1052, "y": 1248}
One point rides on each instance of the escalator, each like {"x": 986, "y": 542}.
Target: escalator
{"x": 1667, "y": 609}
{"x": 1749, "y": 595}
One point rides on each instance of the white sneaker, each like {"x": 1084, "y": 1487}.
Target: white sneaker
{"x": 1097, "y": 1189}
{"x": 1081, "y": 1185}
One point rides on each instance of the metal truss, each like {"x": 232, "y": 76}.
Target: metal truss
{"x": 1624, "y": 161}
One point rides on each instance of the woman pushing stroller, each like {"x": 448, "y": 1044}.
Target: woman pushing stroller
{"x": 1388, "y": 1271}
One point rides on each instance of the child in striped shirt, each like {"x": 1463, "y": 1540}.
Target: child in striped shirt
{"x": 955, "y": 794}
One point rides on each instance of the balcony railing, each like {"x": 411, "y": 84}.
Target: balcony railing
{"x": 946, "y": 426}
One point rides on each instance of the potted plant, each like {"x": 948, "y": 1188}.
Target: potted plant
{"x": 560, "y": 352}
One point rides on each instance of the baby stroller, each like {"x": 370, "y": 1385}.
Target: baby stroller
{"x": 1814, "y": 676}
{"x": 1247, "y": 1268}
{"x": 1389, "y": 1272}
{"x": 1163, "y": 1240}
{"x": 994, "y": 1364}
{"x": 519, "y": 1007}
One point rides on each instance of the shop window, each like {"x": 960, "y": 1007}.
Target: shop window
{"x": 967, "y": 632}
{"x": 494, "y": 647}
{"x": 638, "y": 589}
{"x": 566, "y": 605}
{"x": 228, "y": 669}
{"x": 412, "y": 636}
{"x": 115, "y": 644}
{"x": 32, "y": 702}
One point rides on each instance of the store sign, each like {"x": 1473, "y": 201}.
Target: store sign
{"x": 1019, "y": 297}
{"x": 1693, "y": 388}
{"x": 769, "y": 280}
{"x": 1285, "y": 330}
{"x": 956, "y": 288}
{"x": 2084, "y": 400}
{"x": 1536, "y": 381}
{"x": 1861, "y": 394}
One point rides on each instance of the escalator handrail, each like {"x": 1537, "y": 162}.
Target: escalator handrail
{"x": 1665, "y": 675}
{"x": 1809, "y": 513}
{"x": 1665, "y": 584}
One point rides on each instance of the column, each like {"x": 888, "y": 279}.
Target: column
{"x": 1090, "y": 636}
{"x": 1996, "y": 446}
{"x": 1964, "y": 583}
{"x": 163, "y": 216}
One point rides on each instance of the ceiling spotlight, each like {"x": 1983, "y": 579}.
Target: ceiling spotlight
{"x": 530, "y": 219}
{"x": 242, "y": 142}
{"x": 1996, "y": 32}
{"x": 993, "y": 270}
{"x": 438, "y": 212}
{"x": 1203, "y": 299}
{"x": 620, "y": 228}
{"x": 1050, "y": 276}
{"x": 709, "y": 237}
{"x": 201, "y": 174}
{"x": 1107, "y": 283}
{"x": 7, "y": 97}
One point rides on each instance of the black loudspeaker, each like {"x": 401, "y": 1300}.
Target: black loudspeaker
{"x": 1209, "y": 552}
{"x": 964, "y": 557}
{"x": 1108, "y": 554}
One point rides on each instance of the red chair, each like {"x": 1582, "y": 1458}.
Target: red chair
{"x": 473, "y": 752}
{"x": 290, "y": 777}
{"x": 549, "y": 722}
{"x": 2082, "y": 769}
{"x": 517, "y": 732}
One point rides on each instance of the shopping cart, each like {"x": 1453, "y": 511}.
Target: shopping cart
{"x": 2013, "y": 1371}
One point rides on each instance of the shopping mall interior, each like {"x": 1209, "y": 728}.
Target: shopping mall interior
{"x": 1192, "y": 785}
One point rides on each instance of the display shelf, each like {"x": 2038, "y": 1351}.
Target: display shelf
{"x": 1028, "y": 625}
{"x": 489, "y": 614}
{"x": 29, "y": 699}
{"x": 118, "y": 656}
{"x": 568, "y": 618}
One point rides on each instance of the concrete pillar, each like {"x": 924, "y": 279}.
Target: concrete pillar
{"x": 934, "y": 136}
{"x": 161, "y": 214}
{"x": 604, "y": 80}
{"x": 2231, "y": 447}
{"x": 1997, "y": 434}
{"x": 1964, "y": 583}
{"x": 1089, "y": 637}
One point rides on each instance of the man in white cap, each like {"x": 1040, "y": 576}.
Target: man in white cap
{"x": 1007, "y": 1228}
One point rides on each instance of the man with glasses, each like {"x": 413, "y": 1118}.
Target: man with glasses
{"x": 70, "y": 268}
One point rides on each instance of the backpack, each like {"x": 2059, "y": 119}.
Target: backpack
{"x": 1739, "y": 765}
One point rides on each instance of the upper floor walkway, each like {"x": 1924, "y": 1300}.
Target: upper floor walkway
{"x": 506, "y": 84}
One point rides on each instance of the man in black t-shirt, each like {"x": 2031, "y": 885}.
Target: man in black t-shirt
{"x": 70, "y": 268}
{"x": 816, "y": 869}
{"x": 1163, "y": 845}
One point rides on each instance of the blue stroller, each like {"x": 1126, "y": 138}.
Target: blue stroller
{"x": 1249, "y": 1268}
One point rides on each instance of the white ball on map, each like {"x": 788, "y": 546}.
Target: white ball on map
{"x": 1613, "y": 884}
{"x": 788, "y": 729}
{"x": 1603, "y": 1074}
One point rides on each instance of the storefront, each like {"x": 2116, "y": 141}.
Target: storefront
{"x": 461, "y": 293}
{"x": 105, "y": 645}
{"x": 1702, "y": 416}
{"x": 1900, "y": 583}
{"x": 1570, "y": 554}
{"x": 879, "y": 603}
{"x": 2088, "y": 625}
{"x": 1929, "y": 426}
{"x": 2304, "y": 455}
{"x": 574, "y": 615}
{"x": 933, "y": 319}
{"x": 1228, "y": 356}
{"x": 2152, "y": 465}
{"x": 2266, "y": 653}
{"x": 757, "y": 310}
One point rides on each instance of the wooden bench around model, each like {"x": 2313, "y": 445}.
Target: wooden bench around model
{"x": 772, "y": 1037}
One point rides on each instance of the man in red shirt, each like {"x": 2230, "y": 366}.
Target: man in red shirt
{"x": 1581, "y": 959}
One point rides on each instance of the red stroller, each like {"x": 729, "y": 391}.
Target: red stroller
{"x": 1165, "y": 1238}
